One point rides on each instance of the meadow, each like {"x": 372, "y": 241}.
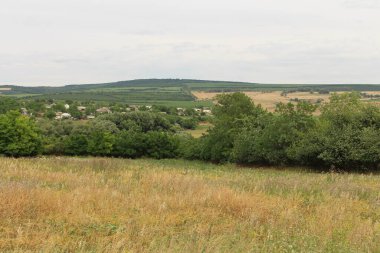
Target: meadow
{"x": 60, "y": 204}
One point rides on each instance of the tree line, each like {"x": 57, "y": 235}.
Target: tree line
{"x": 343, "y": 134}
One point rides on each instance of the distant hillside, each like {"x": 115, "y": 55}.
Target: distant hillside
{"x": 179, "y": 83}
{"x": 163, "y": 90}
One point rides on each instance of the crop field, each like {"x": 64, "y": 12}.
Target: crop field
{"x": 269, "y": 99}
{"x": 114, "y": 205}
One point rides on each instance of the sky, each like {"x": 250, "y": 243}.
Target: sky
{"x": 58, "y": 42}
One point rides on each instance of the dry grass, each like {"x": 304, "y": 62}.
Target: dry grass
{"x": 114, "y": 205}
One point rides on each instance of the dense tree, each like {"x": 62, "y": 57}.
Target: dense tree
{"x": 8, "y": 104}
{"x": 18, "y": 135}
{"x": 74, "y": 112}
{"x": 50, "y": 114}
{"x": 139, "y": 121}
{"x": 229, "y": 113}
{"x": 266, "y": 139}
{"x": 77, "y": 142}
{"x": 100, "y": 143}
{"x": 130, "y": 144}
{"x": 346, "y": 136}
{"x": 161, "y": 145}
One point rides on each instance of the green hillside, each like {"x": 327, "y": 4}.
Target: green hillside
{"x": 162, "y": 91}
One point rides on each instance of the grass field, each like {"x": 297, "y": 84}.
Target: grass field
{"x": 115, "y": 205}
{"x": 200, "y": 130}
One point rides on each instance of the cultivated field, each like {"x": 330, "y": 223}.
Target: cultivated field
{"x": 269, "y": 99}
{"x": 114, "y": 205}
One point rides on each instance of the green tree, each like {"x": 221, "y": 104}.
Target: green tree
{"x": 8, "y": 104}
{"x": 230, "y": 112}
{"x": 50, "y": 114}
{"x": 130, "y": 144}
{"x": 267, "y": 139}
{"x": 345, "y": 137}
{"x": 77, "y": 142}
{"x": 161, "y": 145}
{"x": 100, "y": 143}
{"x": 74, "y": 112}
{"x": 19, "y": 135}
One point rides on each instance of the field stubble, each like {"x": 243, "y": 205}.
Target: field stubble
{"x": 115, "y": 205}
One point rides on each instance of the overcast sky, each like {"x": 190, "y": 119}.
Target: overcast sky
{"x": 56, "y": 42}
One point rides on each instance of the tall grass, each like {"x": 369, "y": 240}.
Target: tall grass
{"x": 114, "y": 205}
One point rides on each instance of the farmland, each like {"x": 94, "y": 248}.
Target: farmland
{"x": 173, "y": 92}
{"x": 114, "y": 205}
{"x": 269, "y": 99}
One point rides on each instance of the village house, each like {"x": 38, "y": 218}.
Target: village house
{"x": 49, "y": 106}
{"x": 103, "y": 110}
{"x": 61, "y": 115}
{"x": 24, "y": 111}
{"x": 67, "y": 106}
{"x": 207, "y": 111}
{"x": 180, "y": 111}
{"x": 134, "y": 107}
{"x": 81, "y": 108}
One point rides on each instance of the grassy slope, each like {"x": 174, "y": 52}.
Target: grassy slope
{"x": 114, "y": 205}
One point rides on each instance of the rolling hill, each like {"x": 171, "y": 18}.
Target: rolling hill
{"x": 162, "y": 91}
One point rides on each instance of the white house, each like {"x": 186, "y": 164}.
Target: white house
{"x": 81, "y": 108}
{"x": 24, "y": 111}
{"x": 103, "y": 110}
{"x": 60, "y": 115}
{"x": 207, "y": 111}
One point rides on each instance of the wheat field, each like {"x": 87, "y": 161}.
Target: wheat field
{"x": 115, "y": 205}
{"x": 269, "y": 100}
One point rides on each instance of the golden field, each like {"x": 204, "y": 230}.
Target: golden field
{"x": 115, "y": 205}
{"x": 268, "y": 100}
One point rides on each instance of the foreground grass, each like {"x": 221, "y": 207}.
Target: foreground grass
{"x": 114, "y": 205}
